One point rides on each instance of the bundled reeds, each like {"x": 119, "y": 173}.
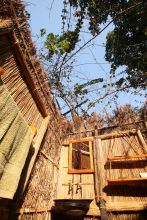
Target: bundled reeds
{"x": 38, "y": 198}
{"x": 26, "y": 81}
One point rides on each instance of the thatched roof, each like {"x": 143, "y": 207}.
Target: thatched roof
{"x": 26, "y": 81}
{"x": 14, "y": 18}
{"x": 5, "y": 24}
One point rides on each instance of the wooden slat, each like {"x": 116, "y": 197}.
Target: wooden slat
{"x": 126, "y": 206}
{"x": 127, "y": 157}
{"x": 126, "y": 181}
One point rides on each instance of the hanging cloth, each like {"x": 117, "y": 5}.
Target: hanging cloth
{"x": 15, "y": 141}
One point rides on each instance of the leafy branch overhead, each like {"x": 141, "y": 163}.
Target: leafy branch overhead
{"x": 126, "y": 45}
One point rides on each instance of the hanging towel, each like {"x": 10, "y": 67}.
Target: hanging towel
{"x": 15, "y": 141}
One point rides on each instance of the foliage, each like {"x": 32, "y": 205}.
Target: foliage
{"x": 125, "y": 46}
{"x": 127, "y": 43}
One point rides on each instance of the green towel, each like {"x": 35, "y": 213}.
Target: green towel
{"x": 15, "y": 141}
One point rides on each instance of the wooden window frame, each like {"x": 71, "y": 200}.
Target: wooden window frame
{"x": 80, "y": 171}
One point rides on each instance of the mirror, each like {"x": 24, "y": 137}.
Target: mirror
{"x": 80, "y": 157}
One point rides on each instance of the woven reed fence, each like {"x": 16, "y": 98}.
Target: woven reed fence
{"x": 42, "y": 184}
{"x": 38, "y": 198}
{"x": 15, "y": 10}
{"x": 15, "y": 82}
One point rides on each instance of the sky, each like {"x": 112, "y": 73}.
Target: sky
{"x": 47, "y": 14}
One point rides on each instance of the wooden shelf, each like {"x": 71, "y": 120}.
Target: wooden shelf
{"x": 125, "y": 164}
{"x": 127, "y": 181}
{"x": 127, "y": 157}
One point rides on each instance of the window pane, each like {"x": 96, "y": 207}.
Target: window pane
{"x": 80, "y": 155}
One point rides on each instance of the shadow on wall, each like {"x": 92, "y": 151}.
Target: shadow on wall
{"x": 129, "y": 191}
{"x": 128, "y": 216}
{"x": 64, "y": 216}
{"x": 67, "y": 215}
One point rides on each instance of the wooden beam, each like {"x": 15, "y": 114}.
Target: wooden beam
{"x": 127, "y": 157}
{"x": 36, "y": 146}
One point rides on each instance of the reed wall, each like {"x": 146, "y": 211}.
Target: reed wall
{"x": 16, "y": 83}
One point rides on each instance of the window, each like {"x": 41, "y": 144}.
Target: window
{"x": 81, "y": 156}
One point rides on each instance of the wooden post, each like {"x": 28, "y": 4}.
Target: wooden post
{"x": 99, "y": 179}
{"x": 96, "y": 172}
{"x": 141, "y": 140}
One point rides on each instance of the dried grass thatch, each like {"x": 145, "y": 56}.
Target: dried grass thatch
{"x": 25, "y": 77}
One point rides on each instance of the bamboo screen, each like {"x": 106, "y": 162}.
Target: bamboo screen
{"x": 38, "y": 199}
{"x": 123, "y": 146}
{"x": 15, "y": 82}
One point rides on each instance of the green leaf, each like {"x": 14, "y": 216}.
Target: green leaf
{"x": 42, "y": 32}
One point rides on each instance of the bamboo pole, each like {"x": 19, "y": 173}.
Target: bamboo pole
{"x": 36, "y": 148}
{"x": 100, "y": 177}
